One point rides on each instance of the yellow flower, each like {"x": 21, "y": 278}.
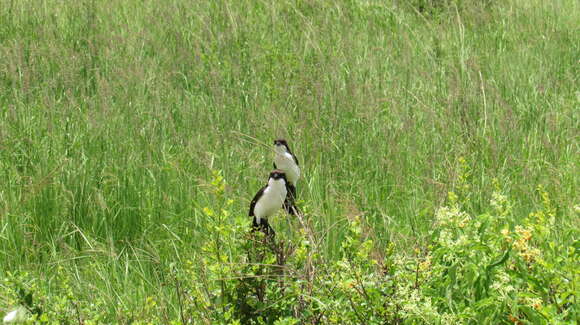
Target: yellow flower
{"x": 426, "y": 264}
{"x": 524, "y": 233}
{"x": 208, "y": 211}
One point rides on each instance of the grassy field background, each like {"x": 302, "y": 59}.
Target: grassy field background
{"x": 115, "y": 118}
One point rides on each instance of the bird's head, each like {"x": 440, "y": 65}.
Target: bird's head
{"x": 281, "y": 146}
{"x": 277, "y": 176}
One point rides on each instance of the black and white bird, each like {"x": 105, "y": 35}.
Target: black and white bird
{"x": 268, "y": 201}
{"x": 286, "y": 161}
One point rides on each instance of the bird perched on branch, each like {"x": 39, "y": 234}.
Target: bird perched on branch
{"x": 286, "y": 161}
{"x": 268, "y": 201}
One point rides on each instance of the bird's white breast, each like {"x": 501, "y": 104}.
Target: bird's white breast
{"x": 271, "y": 200}
{"x": 286, "y": 163}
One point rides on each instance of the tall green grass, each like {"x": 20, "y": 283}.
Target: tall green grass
{"x": 114, "y": 115}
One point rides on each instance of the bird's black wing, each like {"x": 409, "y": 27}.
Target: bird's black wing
{"x": 255, "y": 200}
{"x": 295, "y": 159}
{"x": 275, "y": 167}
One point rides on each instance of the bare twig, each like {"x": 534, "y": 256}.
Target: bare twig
{"x": 179, "y": 301}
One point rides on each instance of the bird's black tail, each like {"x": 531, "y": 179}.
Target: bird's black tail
{"x": 290, "y": 201}
{"x": 263, "y": 226}
{"x": 291, "y": 208}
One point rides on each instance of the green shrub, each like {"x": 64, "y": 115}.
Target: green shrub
{"x": 482, "y": 269}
